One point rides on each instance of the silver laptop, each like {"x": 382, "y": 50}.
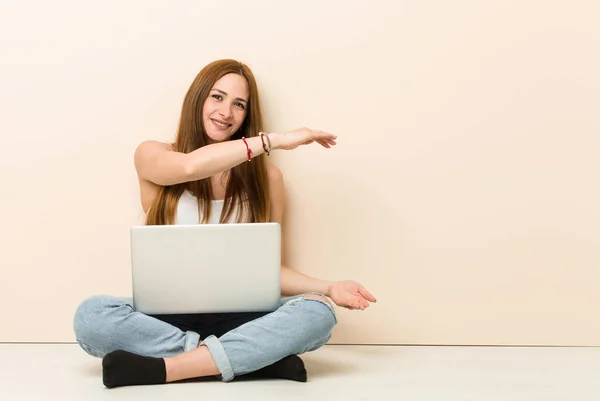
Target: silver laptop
{"x": 206, "y": 268}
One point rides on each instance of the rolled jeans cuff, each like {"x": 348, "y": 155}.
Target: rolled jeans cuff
{"x": 220, "y": 357}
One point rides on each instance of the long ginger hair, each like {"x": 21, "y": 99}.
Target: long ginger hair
{"x": 247, "y": 184}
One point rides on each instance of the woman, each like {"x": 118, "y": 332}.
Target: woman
{"x": 216, "y": 172}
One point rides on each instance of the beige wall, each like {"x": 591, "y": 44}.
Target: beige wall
{"x": 463, "y": 192}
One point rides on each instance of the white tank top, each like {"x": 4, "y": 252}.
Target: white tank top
{"x": 187, "y": 211}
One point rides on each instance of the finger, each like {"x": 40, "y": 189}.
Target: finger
{"x": 323, "y": 143}
{"x": 362, "y": 304}
{"x": 323, "y": 134}
{"x": 358, "y": 304}
{"x": 329, "y": 137}
{"x": 351, "y": 304}
{"x": 330, "y": 142}
{"x": 366, "y": 294}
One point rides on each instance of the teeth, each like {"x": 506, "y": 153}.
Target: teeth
{"x": 220, "y": 124}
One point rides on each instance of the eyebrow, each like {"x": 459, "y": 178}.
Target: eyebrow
{"x": 225, "y": 93}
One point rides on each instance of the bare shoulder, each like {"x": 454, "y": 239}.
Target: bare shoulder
{"x": 276, "y": 185}
{"x": 274, "y": 174}
{"x": 144, "y": 155}
{"x": 151, "y": 147}
{"x": 147, "y": 151}
{"x": 277, "y": 192}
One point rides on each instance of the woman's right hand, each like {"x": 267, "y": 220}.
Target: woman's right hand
{"x": 302, "y": 136}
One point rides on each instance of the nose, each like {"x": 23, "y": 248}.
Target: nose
{"x": 225, "y": 111}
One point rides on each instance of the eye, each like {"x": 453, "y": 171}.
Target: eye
{"x": 218, "y": 97}
{"x": 241, "y": 105}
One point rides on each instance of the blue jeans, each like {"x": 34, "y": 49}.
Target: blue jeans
{"x": 239, "y": 343}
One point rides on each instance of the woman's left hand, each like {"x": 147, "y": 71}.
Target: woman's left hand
{"x": 350, "y": 294}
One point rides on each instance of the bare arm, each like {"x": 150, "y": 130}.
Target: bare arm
{"x": 296, "y": 283}
{"x": 158, "y": 163}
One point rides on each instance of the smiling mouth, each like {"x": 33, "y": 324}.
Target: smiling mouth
{"x": 220, "y": 124}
